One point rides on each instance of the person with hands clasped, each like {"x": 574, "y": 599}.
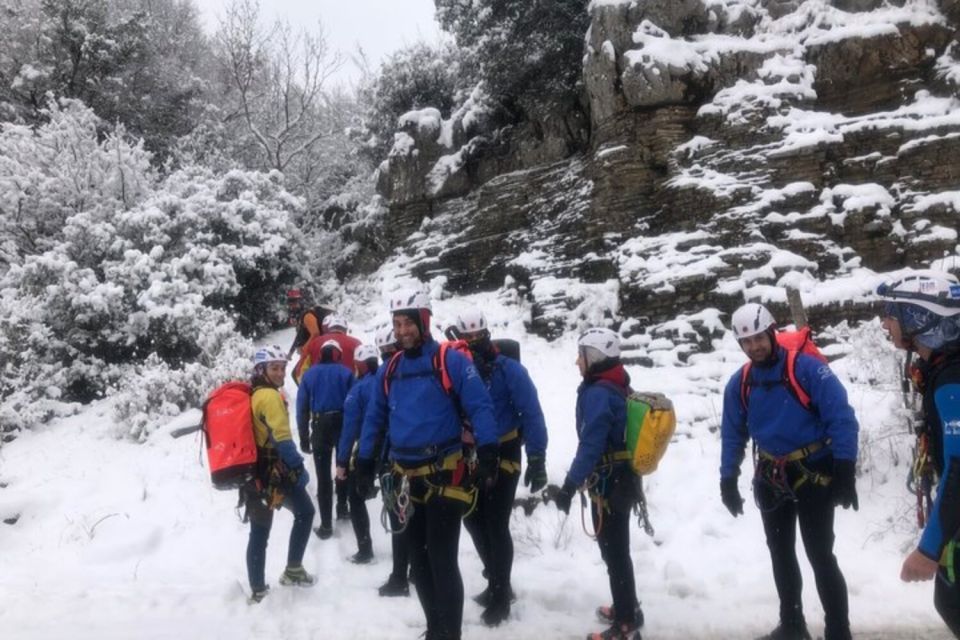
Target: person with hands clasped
{"x": 921, "y": 313}
{"x": 805, "y": 434}
{"x": 416, "y": 403}
{"x": 602, "y": 462}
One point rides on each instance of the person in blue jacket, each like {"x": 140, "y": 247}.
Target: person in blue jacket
{"x": 922, "y": 314}
{"x": 320, "y": 397}
{"x": 602, "y": 464}
{"x": 397, "y": 583}
{"x": 805, "y": 466}
{"x": 354, "y": 407}
{"x": 519, "y": 421}
{"x": 416, "y": 402}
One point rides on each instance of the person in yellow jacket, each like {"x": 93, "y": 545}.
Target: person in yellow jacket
{"x": 280, "y": 474}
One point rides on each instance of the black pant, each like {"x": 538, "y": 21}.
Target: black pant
{"x": 813, "y": 507}
{"x": 489, "y": 526}
{"x": 613, "y": 538}
{"x": 433, "y": 541}
{"x": 946, "y": 597}
{"x": 324, "y": 437}
{"x": 359, "y": 517}
{"x": 398, "y": 544}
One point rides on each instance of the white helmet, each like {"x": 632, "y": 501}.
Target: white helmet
{"x": 409, "y": 300}
{"x": 471, "y": 321}
{"x": 265, "y": 355}
{"x": 334, "y": 321}
{"x": 366, "y": 352}
{"x": 605, "y": 341}
{"x": 933, "y": 290}
{"x": 385, "y": 338}
{"x": 750, "y": 320}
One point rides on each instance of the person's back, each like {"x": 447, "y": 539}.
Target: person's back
{"x": 320, "y": 399}
{"x": 334, "y": 328}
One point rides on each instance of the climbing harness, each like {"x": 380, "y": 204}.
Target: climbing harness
{"x": 772, "y": 474}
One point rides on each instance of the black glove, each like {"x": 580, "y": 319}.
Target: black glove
{"x": 363, "y": 477}
{"x": 844, "y": 484}
{"x": 488, "y": 460}
{"x": 305, "y": 445}
{"x": 565, "y": 496}
{"x": 730, "y": 494}
{"x": 536, "y": 475}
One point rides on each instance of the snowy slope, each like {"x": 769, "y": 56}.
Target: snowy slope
{"x": 119, "y": 540}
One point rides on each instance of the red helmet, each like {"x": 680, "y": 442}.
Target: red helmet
{"x": 294, "y": 294}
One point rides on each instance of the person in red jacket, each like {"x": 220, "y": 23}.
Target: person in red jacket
{"x": 334, "y": 328}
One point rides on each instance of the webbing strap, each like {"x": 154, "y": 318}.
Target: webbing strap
{"x": 449, "y": 463}
{"x": 510, "y": 435}
{"x": 510, "y": 466}
{"x": 798, "y": 454}
{"x": 616, "y": 456}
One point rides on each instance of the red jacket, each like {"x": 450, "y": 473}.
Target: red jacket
{"x": 310, "y": 355}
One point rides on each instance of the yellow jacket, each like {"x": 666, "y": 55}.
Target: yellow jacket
{"x": 270, "y": 417}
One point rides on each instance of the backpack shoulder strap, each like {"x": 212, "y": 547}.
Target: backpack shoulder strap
{"x": 745, "y": 385}
{"x": 440, "y": 366}
{"x": 623, "y": 391}
{"x": 391, "y": 368}
{"x": 793, "y": 384}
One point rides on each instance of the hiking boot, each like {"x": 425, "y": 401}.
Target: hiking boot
{"x": 617, "y": 632}
{"x": 297, "y": 577}
{"x": 363, "y": 556}
{"x": 343, "y": 511}
{"x": 485, "y": 597}
{"x": 788, "y": 632}
{"x": 324, "y": 533}
{"x": 606, "y": 614}
{"x": 495, "y": 614}
{"x": 258, "y": 595}
{"x": 394, "y": 588}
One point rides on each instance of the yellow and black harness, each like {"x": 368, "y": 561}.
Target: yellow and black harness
{"x": 782, "y": 476}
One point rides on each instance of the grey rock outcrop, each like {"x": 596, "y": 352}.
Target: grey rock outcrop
{"x": 725, "y": 155}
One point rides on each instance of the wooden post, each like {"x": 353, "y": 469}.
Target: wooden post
{"x": 796, "y": 308}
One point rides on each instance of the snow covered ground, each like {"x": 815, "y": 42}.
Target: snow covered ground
{"x": 120, "y": 540}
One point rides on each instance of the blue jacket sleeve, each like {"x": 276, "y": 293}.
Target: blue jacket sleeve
{"x": 374, "y": 419}
{"x": 352, "y": 421}
{"x": 523, "y": 395}
{"x": 943, "y": 518}
{"x": 830, "y": 399}
{"x": 733, "y": 429}
{"x": 289, "y": 454}
{"x": 597, "y": 419}
{"x": 473, "y": 396}
{"x": 303, "y": 409}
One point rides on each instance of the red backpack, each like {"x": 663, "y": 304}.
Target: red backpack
{"x": 228, "y": 429}
{"x": 795, "y": 342}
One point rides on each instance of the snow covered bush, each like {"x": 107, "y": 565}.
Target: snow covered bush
{"x": 108, "y": 268}
{"x": 61, "y": 168}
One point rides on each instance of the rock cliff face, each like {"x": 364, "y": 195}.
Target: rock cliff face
{"x": 725, "y": 148}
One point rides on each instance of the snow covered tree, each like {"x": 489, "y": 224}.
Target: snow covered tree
{"x": 138, "y": 62}
{"x": 59, "y": 169}
{"x": 529, "y": 50}
{"x": 417, "y": 76}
